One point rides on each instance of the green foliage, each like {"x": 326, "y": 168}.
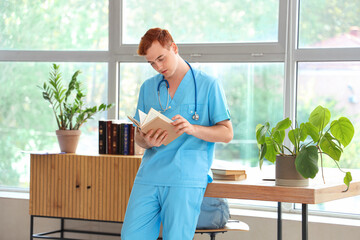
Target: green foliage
{"x": 68, "y": 104}
{"x": 204, "y": 21}
{"x": 58, "y": 26}
{"x": 330, "y": 142}
{"x": 321, "y": 20}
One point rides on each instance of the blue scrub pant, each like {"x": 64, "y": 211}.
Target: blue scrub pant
{"x": 177, "y": 208}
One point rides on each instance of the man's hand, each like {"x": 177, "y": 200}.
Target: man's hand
{"x": 220, "y": 132}
{"x": 152, "y": 139}
{"x": 182, "y": 125}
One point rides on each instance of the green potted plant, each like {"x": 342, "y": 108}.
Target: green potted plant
{"x": 68, "y": 107}
{"x": 310, "y": 140}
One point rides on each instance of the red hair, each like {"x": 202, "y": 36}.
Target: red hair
{"x": 154, "y": 34}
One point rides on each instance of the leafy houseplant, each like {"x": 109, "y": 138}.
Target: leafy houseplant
{"x": 68, "y": 104}
{"x": 323, "y": 140}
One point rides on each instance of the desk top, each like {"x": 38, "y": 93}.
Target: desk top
{"x": 254, "y": 188}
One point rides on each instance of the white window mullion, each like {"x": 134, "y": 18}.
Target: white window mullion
{"x": 114, "y": 44}
{"x": 54, "y": 56}
{"x": 290, "y": 64}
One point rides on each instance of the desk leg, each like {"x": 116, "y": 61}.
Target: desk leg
{"x": 31, "y": 227}
{"x": 279, "y": 222}
{"x": 304, "y": 221}
{"x": 62, "y": 227}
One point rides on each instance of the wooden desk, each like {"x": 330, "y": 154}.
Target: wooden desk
{"x": 256, "y": 189}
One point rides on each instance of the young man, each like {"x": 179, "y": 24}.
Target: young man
{"x": 171, "y": 181}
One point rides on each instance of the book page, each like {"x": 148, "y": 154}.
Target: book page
{"x": 153, "y": 114}
{"x": 142, "y": 116}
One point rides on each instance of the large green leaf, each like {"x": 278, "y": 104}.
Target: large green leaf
{"x": 261, "y": 131}
{"x": 320, "y": 117}
{"x": 306, "y": 162}
{"x": 347, "y": 179}
{"x": 329, "y": 147}
{"x": 294, "y": 136}
{"x": 262, "y": 152}
{"x": 342, "y": 130}
{"x": 283, "y": 125}
{"x": 270, "y": 150}
{"x": 279, "y": 136}
{"x": 303, "y": 132}
{"x": 312, "y": 131}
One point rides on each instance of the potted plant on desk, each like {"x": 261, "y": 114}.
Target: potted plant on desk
{"x": 68, "y": 107}
{"x": 303, "y": 157}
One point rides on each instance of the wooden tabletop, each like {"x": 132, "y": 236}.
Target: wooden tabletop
{"x": 255, "y": 188}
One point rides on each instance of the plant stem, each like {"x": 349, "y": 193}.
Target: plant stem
{"x": 292, "y": 153}
{"x": 322, "y": 166}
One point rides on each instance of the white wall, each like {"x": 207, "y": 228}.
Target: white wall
{"x": 15, "y": 225}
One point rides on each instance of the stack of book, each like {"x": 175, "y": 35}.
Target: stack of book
{"x": 116, "y": 138}
{"x": 228, "y": 174}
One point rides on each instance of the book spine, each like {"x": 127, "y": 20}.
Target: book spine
{"x": 109, "y": 137}
{"x": 114, "y": 138}
{"x": 102, "y": 137}
{"x": 131, "y": 140}
{"x": 126, "y": 138}
{"x": 121, "y": 148}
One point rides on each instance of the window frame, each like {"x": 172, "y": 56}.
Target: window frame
{"x": 285, "y": 50}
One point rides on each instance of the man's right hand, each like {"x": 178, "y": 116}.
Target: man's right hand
{"x": 151, "y": 138}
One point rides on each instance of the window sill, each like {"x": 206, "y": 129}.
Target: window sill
{"x": 14, "y": 195}
{"x": 342, "y": 220}
{"x": 240, "y": 212}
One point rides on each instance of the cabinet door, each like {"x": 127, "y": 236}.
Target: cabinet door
{"x": 49, "y": 184}
{"x": 111, "y": 183}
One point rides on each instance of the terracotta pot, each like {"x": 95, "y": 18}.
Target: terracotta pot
{"x": 68, "y": 140}
{"x": 286, "y": 173}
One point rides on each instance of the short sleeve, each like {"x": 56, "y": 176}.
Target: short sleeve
{"x": 218, "y": 107}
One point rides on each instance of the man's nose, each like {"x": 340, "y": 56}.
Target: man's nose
{"x": 159, "y": 65}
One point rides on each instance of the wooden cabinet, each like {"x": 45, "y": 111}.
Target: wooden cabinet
{"x": 80, "y": 186}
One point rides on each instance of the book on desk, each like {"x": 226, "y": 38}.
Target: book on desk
{"x": 228, "y": 174}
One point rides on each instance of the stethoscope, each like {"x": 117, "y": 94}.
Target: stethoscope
{"x": 195, "y": 116}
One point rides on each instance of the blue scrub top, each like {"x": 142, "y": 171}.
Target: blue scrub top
{"x": 187, "y": 160}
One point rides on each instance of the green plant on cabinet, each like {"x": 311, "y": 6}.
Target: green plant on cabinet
{"x": 68, "y": 103}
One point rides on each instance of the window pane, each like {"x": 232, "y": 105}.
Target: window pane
{"x": 27, "y": 122}
{"x": 132, "y": 75}
{"x": 254, "y": 93}
{"x": 336, "y": 86}
{"x": 54, "y": 25}
{"x": 205, "y": 21}
{"x": 329, "y": 24}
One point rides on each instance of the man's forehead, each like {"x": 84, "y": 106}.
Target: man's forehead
{"x": 155, "y": 51}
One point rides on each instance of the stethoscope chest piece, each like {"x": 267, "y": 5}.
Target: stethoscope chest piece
{"x": 195, "y": 116}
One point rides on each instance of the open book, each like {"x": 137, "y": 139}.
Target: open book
{"x": 155, "y": 120}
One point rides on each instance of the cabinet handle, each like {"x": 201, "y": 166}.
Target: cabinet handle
{"x": 88, "y": 187}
